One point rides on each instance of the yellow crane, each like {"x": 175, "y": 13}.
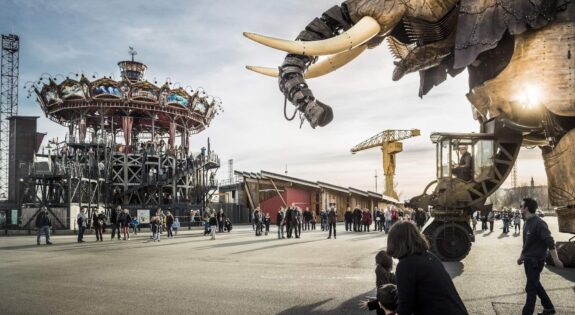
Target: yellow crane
{"x": 388, "y": 140}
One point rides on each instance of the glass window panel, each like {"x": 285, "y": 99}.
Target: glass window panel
{"x": 445, "y": 159}
{"x": 483, "y": 159}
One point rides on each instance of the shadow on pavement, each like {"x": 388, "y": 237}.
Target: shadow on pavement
{"x": 348, "y": 307}
{"x": 274, "y": 246}
{"x": 502, "y": 308}
{"x": 367, "y": 237}
{"x": 487, "y": 234}
{"x": 502, "y": 235}
{"x": 567, "y": 273}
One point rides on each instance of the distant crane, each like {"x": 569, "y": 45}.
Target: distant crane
{"x": 388, "y": 140}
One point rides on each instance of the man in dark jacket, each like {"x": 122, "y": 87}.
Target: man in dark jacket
{"x": 331, "y": 220}
{"x": 357, "y": 219}
{"x": 280, "y": 223}
{"x": 221, "y": 219}
{"x": 170, "y": 222}
{"x": 537, "y": 240}
{"x": 464, "y": 170}
{"x": 290, "y": 216}
{"x": 348, "y": 217}
{"x": 43, "y": 223}
{"x": 115, "y": 222}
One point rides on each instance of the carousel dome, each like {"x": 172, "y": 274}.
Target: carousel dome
{"x": 148, "y": 105}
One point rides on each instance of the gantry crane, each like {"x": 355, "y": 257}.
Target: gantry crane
{"x": 388, "y": 140}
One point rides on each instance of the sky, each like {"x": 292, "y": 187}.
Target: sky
{"x": 200, "y": 44}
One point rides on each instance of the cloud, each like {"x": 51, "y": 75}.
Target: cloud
{"x": 200, "y": 43}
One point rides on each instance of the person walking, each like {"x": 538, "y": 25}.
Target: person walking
{"x": 387, "y": 218}
{"x": 323, "y": 219}
{"x": 357, "y": 219}
{"x": 221, "y": 220}
{"x": 213, "y": 224}
{"x": 280, "y": 223}
{"x": 289, "y": 219}
{"x": 368, "y": 220}
{"x": 537, "y": 242}
{"x": 313, "y": 220}
{"x": 517, "y": 222}
{"x": 135, "y": 225}
{"x": 44, "y": 224}
{"x": 491, "y": 219}
{"x": 423, "y": 284}
{"x": 169, "y": 224}
{"x": 176, "y": 226}
{"x": 155, "y": 223}
{"x": 377, "y": 220}
{"x": 506, "y": 220}
{"x": 124, "y": 220}
{"x": 267, "y": 220}
{"x": 474, "y": 222}
{"x": 297, "y": 222}
{"x": 332, "y": 220}
{"x": 82, "y": 221}
{"x": 348, "y": 217}
{"x": 483, "y": 222}
{"x": 258, "y": 221}
{"x": 98, "y": 220}
{"x": 114, "y": 221}
{"x": 306, "y": 219}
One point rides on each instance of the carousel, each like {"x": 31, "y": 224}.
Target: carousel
{"x": 127, "y": 143}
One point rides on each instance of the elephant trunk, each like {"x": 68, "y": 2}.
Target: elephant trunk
{"x": 291, "y": 73}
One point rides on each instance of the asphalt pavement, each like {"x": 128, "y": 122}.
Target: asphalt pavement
{"x": 239, "y": 273}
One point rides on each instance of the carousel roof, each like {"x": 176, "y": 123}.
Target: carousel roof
{"x": 107, "y": 100}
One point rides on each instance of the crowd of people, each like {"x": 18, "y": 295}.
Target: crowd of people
{"x": 420, "y": 284}
{"x": 508, "y": 217}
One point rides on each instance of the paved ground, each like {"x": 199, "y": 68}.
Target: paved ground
{"x": 242, "y": 274}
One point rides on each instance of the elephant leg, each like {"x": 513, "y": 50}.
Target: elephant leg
{"x": 559, "y": 163}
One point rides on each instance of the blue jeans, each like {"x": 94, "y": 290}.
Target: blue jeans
{"x": 533, "y": 288}
{"x": 43, "y": 229}
{"x": 387, "y": 225}
{"x": 81, "y": 230}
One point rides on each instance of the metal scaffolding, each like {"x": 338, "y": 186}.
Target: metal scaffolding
{"x": 8, "y": 102}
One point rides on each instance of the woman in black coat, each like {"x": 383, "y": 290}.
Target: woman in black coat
{"x": 423, "y": 284}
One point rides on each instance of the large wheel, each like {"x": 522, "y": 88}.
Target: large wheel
{"x": 450, "y": 241}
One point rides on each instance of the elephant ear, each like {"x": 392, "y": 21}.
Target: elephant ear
{"x": 482, "y": 23}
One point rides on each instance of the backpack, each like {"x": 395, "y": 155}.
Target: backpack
{"x": 80, "y": 221}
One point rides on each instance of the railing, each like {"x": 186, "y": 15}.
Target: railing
{"x": 232, "y": 181}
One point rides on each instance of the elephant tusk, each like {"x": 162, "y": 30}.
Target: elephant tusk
{"x": 271, "y": 72}
{"x": 323, "y": 67}
{"x": 360, "y": 33}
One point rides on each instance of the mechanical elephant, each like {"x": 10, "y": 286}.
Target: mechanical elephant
{"x": 518, "y": 54}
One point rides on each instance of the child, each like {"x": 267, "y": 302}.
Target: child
{"x": 135, "y": 224}
{"x": 176, "y": 225}
{"x": 207, "y": 228}
{"x": 387, "y": 298}
{"x": 383, "y": 276}
{"x": 228, "y": 225}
